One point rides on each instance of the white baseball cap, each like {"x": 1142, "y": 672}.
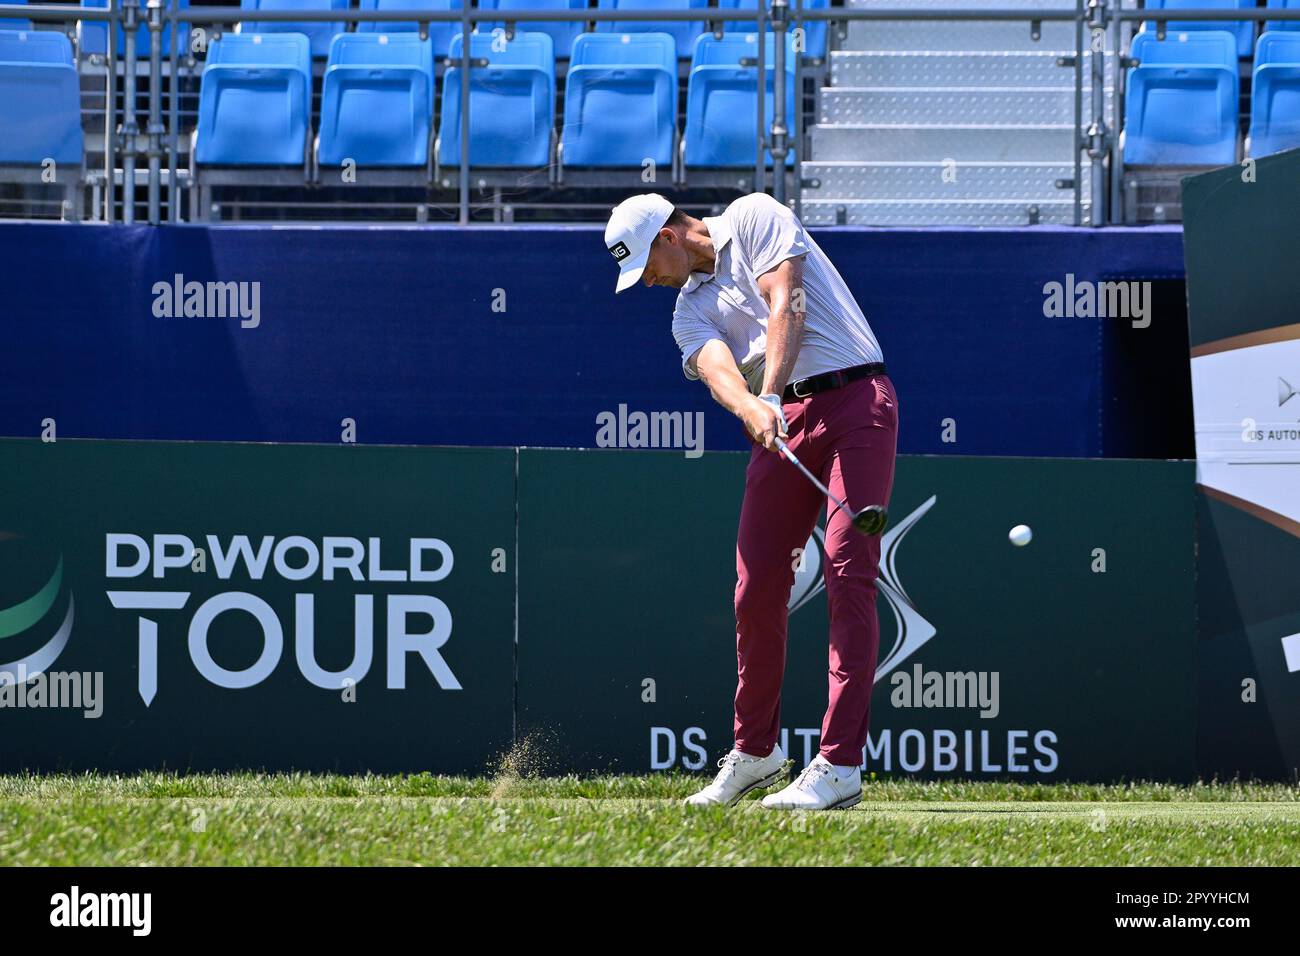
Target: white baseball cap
{"x": 633, "y": 226}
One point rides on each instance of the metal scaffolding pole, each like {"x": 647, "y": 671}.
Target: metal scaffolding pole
{"x": 155, "y": 128}
{"x": 780, "y": 23}
{"x": 110, "y": 118}
{"x": 798, "y": 139}
{"x": 130, "y": 21}
{"x": 465, "y": 61}
{"x": 1097, "y": 131}
{"x": 760, "y": 162}
{"x": 1114, "y": 190}
{"x": 1078, "y": 113}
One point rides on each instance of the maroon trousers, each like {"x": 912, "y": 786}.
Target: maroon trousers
{"x": 846, "y": 436}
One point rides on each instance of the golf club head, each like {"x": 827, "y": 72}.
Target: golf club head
{"x": 871, "y": 520}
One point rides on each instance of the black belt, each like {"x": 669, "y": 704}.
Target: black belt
{"x": 803, "y": 388}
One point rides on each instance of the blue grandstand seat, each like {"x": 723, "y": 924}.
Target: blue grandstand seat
{"x": 561, "y": 34}
{"x": 1182, "y": 100}
{"x": 439, "y": 33}
{"x": 1283, "y": 24}
{"x": 814, "y": 30}
{"x": 255, "y": 101}
{"x": 684, "y": 32}
{"x": 94, "y": 35}
{"x": 721, "y": 107}
{"x": 377, "y": 100}
{"x": 1243, "y": 30}
{"x": 41, "y": 114}
{"x": 620, "y": 100}
{"x": 15, "y": 24}
{"x": 1275, "y": 94}
{"x": 511, "y": 102}
{"x": 320, "y": 34}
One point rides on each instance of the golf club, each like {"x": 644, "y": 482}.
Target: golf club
{"x": 870, "y": 520}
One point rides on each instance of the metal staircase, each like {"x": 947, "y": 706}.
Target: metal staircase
{"x": 954, "y": 123}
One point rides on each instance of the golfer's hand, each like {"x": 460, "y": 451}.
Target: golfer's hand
{"x": 765, "y": 420}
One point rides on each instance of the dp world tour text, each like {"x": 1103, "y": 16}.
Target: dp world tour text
{"x": 417, "y": 624}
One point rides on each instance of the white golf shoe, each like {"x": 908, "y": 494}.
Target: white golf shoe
{"x": 741, "y": 774}
{"x": 819, "y": 787}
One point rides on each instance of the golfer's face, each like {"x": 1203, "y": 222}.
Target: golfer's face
{"x": 668, "y": 263}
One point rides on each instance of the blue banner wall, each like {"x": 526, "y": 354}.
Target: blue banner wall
{"x": 512, "y": 335}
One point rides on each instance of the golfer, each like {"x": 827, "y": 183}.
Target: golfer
{"x": 766, "y": 322}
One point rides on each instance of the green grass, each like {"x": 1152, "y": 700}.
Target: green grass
{"x": 301, "y": 819}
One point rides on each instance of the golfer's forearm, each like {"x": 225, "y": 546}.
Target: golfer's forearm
{"x": 717, "y": 369}
{"x": 728, "y": 390}
{"x": 784, "y": 335}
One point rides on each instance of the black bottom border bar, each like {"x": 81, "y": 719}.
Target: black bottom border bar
{"x": 304, "y": 905}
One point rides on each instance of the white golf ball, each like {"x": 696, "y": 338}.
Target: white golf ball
{"x": 1021, "y": 535}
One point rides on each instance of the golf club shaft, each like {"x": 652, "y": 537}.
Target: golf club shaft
{"x": 790, "y": 456}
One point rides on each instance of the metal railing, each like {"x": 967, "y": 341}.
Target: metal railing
{"x": 1097, "y": 17}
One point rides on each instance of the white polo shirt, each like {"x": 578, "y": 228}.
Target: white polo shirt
{"x": 754, "y": 235}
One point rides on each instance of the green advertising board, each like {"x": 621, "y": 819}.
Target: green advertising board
{"x": 1084, "y": 640}
{"x": 221, "y": 606}
{"x": 215, "y": 606}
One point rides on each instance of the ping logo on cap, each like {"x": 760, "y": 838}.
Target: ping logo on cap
{"x": 620, "y": 251}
